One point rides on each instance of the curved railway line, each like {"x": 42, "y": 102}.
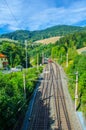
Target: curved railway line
{"x": 50, "y": 110}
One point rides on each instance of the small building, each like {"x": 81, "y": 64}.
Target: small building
{"x": 3, "y": 61}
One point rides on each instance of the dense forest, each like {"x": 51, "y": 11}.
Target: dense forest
{"x": 14, "y": 52}
{"x": 59, "y": 30}
{"x": 77, "y": 39}
{"x": 12, "y": 102}
{"x": 68, "y": 45}
{"x": 78, "y": 65}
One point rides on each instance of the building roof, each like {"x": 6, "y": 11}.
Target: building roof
{"x": 2, "y": 56}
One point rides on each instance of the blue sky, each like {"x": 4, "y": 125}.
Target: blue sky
{"x": 40, "y": 14}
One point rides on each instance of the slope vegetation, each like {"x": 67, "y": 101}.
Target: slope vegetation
{"x": 48, "y": 40}
{"x": 59, "y": 30}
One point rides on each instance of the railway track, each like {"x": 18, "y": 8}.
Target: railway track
{"x": 49, "y": 110}
{"x": 39, "y": 122}
{"x": 63, "y": 118}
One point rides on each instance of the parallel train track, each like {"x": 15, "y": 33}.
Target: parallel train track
{"x": 50, "y": 96}
{"x": 63, "y": 118}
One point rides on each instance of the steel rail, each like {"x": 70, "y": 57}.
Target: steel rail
{"x": 61, "y": 94}
{"x": 56, "y": 103}
{"x": 44, "y": 91}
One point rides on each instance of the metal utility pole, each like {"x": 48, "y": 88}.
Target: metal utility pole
{"x": 76, "y": 91}
{"x": 24, "y": 82}
{"x": 37, "y": 62}
{"x": 26, "y": 52}
{"x": 67, "y": 60}
{"x": 61, "y": 57}
{"x": 42, "y": 57}
{"x": 11, "y": 59}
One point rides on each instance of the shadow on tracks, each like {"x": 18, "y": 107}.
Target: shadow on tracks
{"x": 40, "y": 117}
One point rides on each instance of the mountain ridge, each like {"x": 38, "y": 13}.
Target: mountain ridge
{"x": 59, "y": 30}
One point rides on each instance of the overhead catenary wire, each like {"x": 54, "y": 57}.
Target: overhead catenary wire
{"x": 10, "y": 10}
{"x": 19, "y": 109}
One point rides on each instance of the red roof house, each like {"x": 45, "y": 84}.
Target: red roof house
{"x": 3, "y": 61}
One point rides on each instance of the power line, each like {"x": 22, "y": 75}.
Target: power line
{"x": 11, "y": 12}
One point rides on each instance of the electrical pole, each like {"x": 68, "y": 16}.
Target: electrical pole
{"x": 24, "y": 82}
{"x": 11, "y": 59}
{"x": 26, "y": 52}
{"x": 42, "y": 57}
{"x": 37, "y": 62}
{"x": 67, "y": 60}
{"x": 61, "y": 57}
{"x": 76, "y": 91}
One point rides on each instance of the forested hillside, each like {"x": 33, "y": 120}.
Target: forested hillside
{"x": 14, "y": 51}
{"x": 67, "y": 47}
{"x": 60, "y": 30}
{"x": 77, "y": 39}
{"x": 12, "y": 103}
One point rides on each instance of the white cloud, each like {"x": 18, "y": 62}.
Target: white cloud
{"x": 55, "y": 16}
{"x": 35, "y": 15}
